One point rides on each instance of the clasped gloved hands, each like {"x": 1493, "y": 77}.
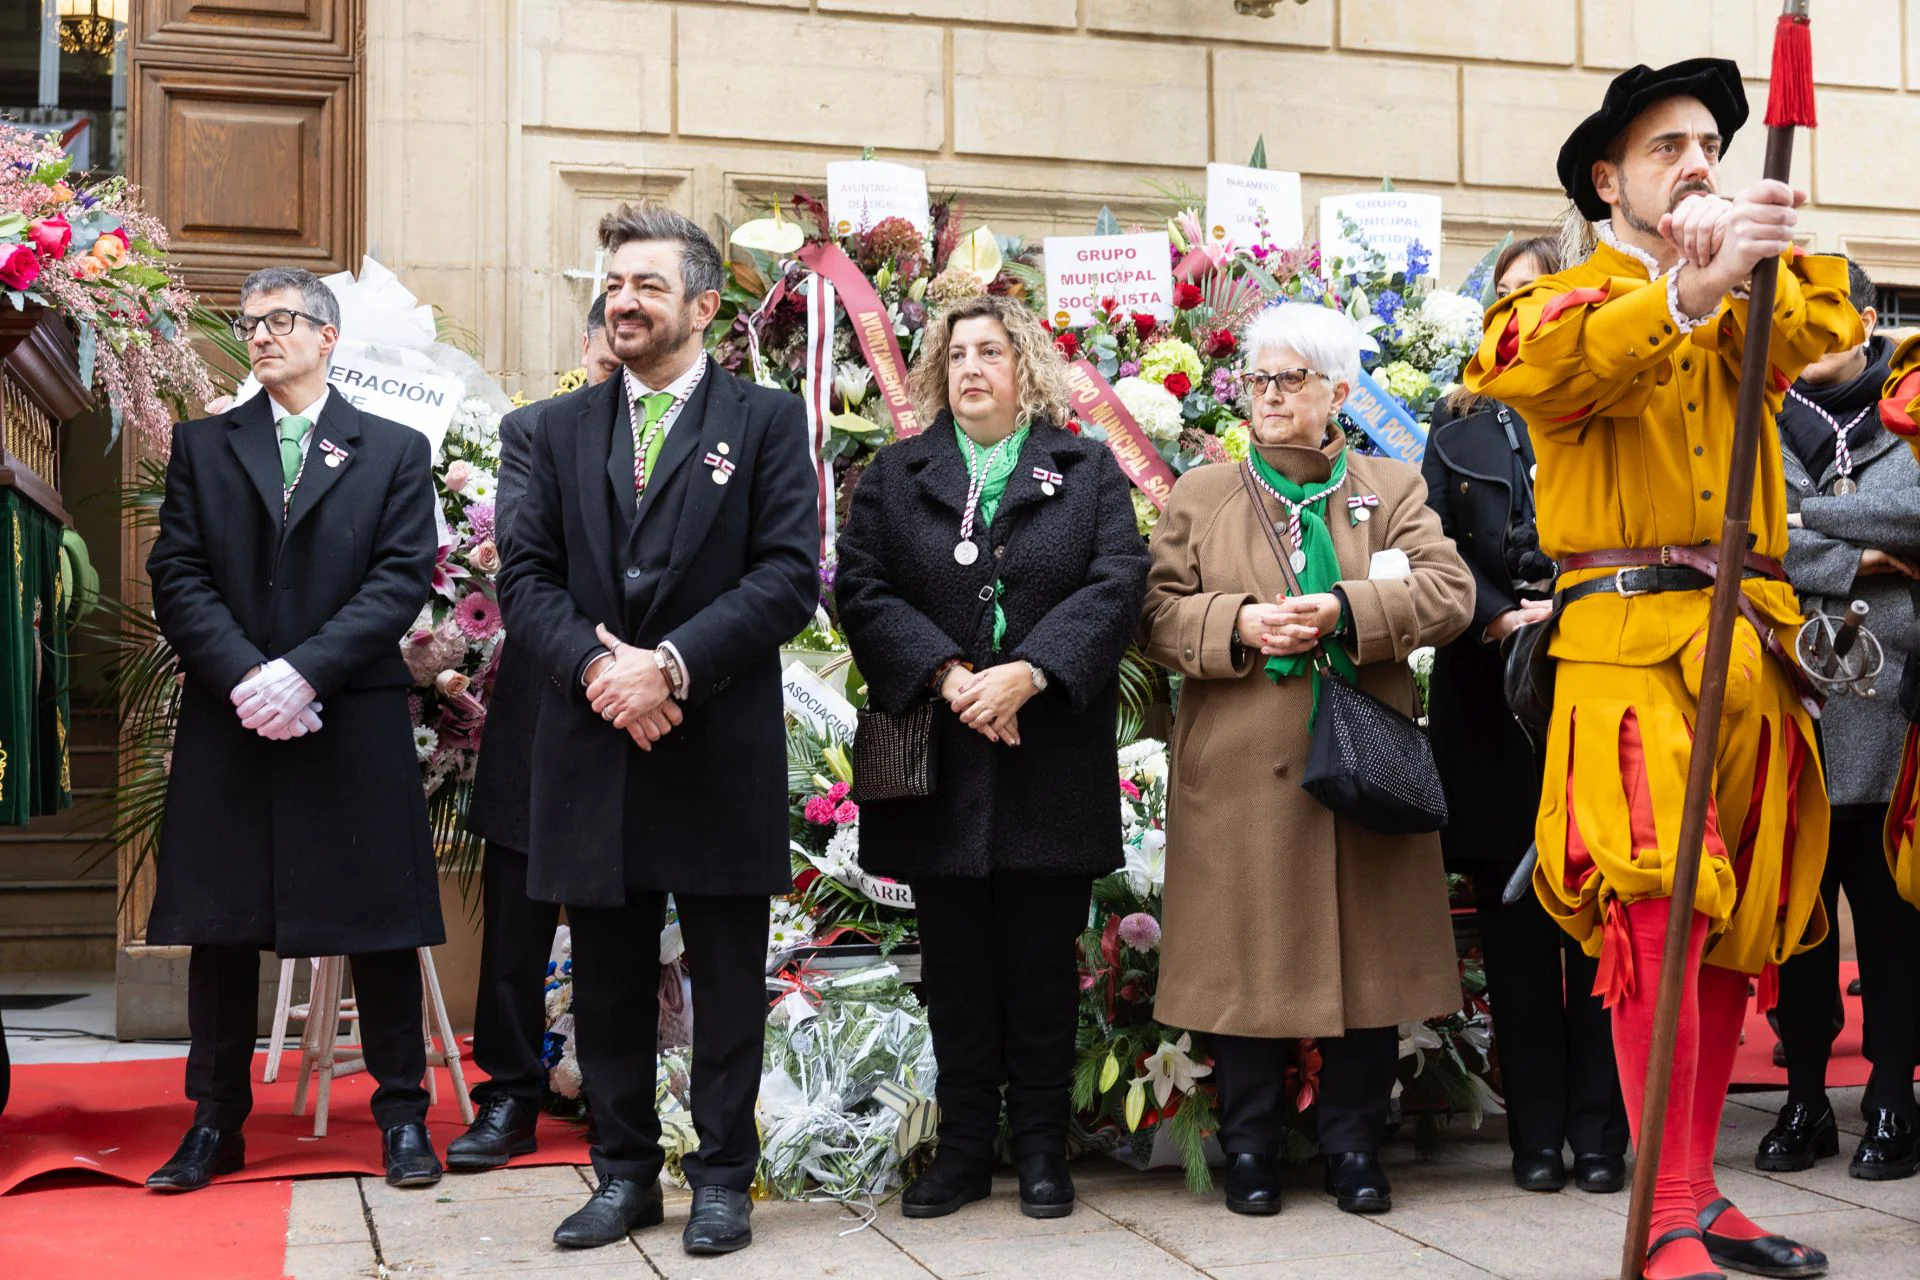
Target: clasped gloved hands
{"x": 276, "y": 702}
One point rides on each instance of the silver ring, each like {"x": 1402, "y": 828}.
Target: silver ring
{"x": 607, "y": 714}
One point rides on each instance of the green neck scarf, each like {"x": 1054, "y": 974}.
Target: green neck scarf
{"x": 999, "y": 469}
{"x": 1322, "y": 570}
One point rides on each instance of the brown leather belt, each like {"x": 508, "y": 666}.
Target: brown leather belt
{"x": 1649, "y": 570}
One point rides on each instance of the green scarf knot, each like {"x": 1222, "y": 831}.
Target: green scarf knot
{"x": 993, "y": 487}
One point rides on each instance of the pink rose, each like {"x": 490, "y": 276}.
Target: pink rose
{"x": 19, "y": 268}
{"x": 457, "y": 476}
{"x": 451, "y": 683}
{"x": 486, "y": 556}
{"x": 111, "y": 247}
{"x": 838, "y": 792}
{"x": 819, "y": 810}
{"x": 847, "y": 812}
{"x": 51, "y": 236}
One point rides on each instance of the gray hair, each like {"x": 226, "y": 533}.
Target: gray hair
{"x": 315, "y": 298}
{"x": 1325, "y": 338}
{"x": 701, "y": 268}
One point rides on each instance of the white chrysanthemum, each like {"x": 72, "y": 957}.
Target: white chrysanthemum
{"x": 482, "y": 486}
{"x": 565, "y": 1076}
{"x": 842, "y": 859}
{"x": 425, "y": 743}
{"x": 1155, "y": 408}
{"x": 1146, "y": 757}
{"x": 1448, "y": 320}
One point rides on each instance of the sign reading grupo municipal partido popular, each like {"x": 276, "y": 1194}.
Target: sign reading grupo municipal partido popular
{"x": 863, "y": 193}
{"x": 1240, "y": 199}
{"x": 1391, "y": 221}
{"x": 1083, "y": 272}
{"x": 420, "y": 398}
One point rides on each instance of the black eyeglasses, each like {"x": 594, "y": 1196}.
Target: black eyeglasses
{"x": 1290, "y": 380}
{"x": 279, "y": 323}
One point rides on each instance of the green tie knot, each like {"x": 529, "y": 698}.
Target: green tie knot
{"x": 657, "y": 405}
{"x": 292, "y": 428}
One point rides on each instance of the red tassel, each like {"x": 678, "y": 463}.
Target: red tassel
{"x": 1615, "y": 979}
{"x": 1767, "y": 998}
{"x": 1790, "y": 98}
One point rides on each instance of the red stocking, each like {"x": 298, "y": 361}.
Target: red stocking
{"x": 1673, "y": 1196}
{"x": 1723, "y": 1009}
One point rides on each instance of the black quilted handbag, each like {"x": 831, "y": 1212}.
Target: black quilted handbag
{"x": 893, "y": 755}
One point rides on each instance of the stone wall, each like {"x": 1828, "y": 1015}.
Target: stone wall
{"x": 499, "y": 130}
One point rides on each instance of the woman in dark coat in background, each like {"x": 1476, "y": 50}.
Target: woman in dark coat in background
{"x": 1025, "y": 809}
{"x": 1556, "y": 1046}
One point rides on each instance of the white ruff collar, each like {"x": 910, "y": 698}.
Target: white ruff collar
{"x": 1604, "y": 230}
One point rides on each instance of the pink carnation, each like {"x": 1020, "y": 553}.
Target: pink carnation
{"x": 1140, "y": 931}
{"x": 1129, "y": 790}
{"x": 838, "y": 791}
{"x": 847, "y": 812}
{"x": 819, "y": 809}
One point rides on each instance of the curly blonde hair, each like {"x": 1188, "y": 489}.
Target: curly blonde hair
{"x": 1040, "y": 375}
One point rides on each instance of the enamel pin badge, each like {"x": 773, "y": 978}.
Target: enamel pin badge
{"x": 1360, "y": 507}
{"x": 335, "y": 454}
{"x": 722, "y": 468}
{"x": 1050, "y": 481}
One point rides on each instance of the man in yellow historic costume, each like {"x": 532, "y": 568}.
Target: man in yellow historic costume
{"x": 1627, "y": 366}
{"x": 1900, "y": 412}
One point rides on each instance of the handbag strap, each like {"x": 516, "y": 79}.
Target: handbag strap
{"x": 1267, "y": 527}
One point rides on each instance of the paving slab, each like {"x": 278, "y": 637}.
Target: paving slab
{"x": 1407, "y": 1260}
{"x": 326, "y": 1211}
{"x": 793, "y": 1240}
{"x": 1104, "y": 1254}
{"x": 1544, "y": 1237}
{"x": 335, "y": 1261}
{"x": 1201, "y": 1232}
{"x": 424, "y": 1237}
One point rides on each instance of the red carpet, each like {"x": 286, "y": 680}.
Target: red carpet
{"x": 60, "y": 1226}
{"x": 1754, "y": 1069}
{"x": 122, "y": 1120}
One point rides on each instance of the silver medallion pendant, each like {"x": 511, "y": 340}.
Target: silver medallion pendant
{"x": 1361, "y": 515}
{"x": 1299, "y": 561}
{"x": 966, "y": 552}
{"x": 1046, "y": 487}
{"x": 1844, "y": 486}
{"x": 333, "y": 459}
{"x": 719, "y": 477}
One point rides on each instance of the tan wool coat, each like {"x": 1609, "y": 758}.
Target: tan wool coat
{"x": 1281, "y": 920}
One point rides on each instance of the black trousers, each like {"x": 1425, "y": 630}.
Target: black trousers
{"x": 1001, "y": 979}
{"x": 1555, "y": 1037}
{"x": 616, "y": 1019}
{"x": 510, "y": 1009}
{"x": 1886, "y": 934}
{"x": 223, "y": 985}
{"x": 1357, "y": 1072}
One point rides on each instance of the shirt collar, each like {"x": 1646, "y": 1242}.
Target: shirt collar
{"x": 311, "y": 413}
{"x": 1604, "y": 230}
{"x": 680, "y": 388}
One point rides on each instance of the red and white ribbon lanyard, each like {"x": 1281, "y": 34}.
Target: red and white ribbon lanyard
{"x": 966, "y": 551}
{"x": 1842, "y": 456}
{"x": 1299, "y": 557}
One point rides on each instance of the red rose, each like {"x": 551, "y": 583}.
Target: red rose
{"x": 51, "y": 236}
{"x": 19, "y": 268}
{"x": 1143, "y": 325}
{"x": 1178, "y": 383}
{"x": 1221, "y": 344}
{"x": 804, "y": 881}
{"x": 1069, "y": 345}
{"x": 1187, "y": 296}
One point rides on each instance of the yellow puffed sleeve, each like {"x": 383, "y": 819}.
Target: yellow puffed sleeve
{"x": 1900, "y": 401}
{"x": 1812, "y": 317}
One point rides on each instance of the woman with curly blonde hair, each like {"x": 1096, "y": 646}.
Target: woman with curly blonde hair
{"x": 991, "y": 565}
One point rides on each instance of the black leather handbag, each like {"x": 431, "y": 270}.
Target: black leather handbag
{"x": 1368, "y": 762}
{"x": 1527, "y": 675}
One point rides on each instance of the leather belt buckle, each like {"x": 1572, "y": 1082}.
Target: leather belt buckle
{"x": 1621, "y": 582}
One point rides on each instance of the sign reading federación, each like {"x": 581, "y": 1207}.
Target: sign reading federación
{"x": 1390, "y": 220}
{"x": 419, "y": 398}
{"x": 1136, "y": 271}
{"x": 861, "y": 193}
{"x": 1239, "y": 199}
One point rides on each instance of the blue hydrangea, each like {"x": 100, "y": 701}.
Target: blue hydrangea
{"x": 552, "y": 1049}
{"x": 1387, "y": 306}
{"x": 1419, "y": 260}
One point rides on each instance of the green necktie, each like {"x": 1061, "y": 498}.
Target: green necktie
{"x": 647, "y": 439}
{"x": 292, "y": 428}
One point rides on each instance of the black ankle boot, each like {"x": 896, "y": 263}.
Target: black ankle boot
{"x": 1046, "y": 1188}
{"x": 943, "y": 1188}
{"x": 1252, "y": 1184}
{"x": 1800, "y": 1136}
{"x": 1357, "y": 1183}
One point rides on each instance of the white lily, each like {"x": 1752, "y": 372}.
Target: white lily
{"x": 852, "y": 382}
{"x": 1146, "y": 868}
{"x": 1169, "y": 1068}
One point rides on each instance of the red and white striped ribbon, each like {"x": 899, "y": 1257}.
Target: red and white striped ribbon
{"x": 819, "y": 389}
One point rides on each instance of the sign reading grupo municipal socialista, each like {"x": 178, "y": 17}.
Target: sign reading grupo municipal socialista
{"x": 1134, "y": 271}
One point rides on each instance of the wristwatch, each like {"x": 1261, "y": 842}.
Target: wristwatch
{"x": 1039, "y": 678}
{"x": 668, "y": 667}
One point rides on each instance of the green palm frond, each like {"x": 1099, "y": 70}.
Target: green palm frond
{"x": 459, "y": 848}
{"x": 1139, "y": 686}
{"x": 214, "y": 327}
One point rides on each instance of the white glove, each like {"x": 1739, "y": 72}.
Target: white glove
{"x": 308, "y": 721}
{"x": 273, "y": 700}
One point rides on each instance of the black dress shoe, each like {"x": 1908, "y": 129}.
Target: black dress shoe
{"x": 410, "y": 1158}
{"x": 1682, "y": 1233}
{"x": 617, "y": 1206}
{"x": 1046, "y": 1188}
{"x": 1539, "y": 1171}
{"x": 943, "y": 1188}
{"x": 1889, "y": 1150}
{"x": 1599, "y": 1174}
{"x": 1357, "y": 1183}
{"x": 204, "y": 1154}
{"x": 1800, "y": 1136}
{"x": 1766, "y": 1256}
{"x": 502, "y": 1130}
{"x": 721, "y": 1222}
{"x": 1253, "y": 1184}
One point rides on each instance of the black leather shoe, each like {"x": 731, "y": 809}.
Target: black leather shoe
{"x": 1357, "y": 1183}
{"x": 410, "y": 1158}
{"x": 1800, "y": 1136}
{"x": 1046, "y": 1188}
{"x": 204, "y": 1154}
{"x": 617, "y": 1206}
{"x": 1253, "y": 1184}
{"x": 721, "y": 1222}
{"x": 1539, "y": 1171}
{"x": 502, "y": 1130}
{"x": 1766, "y": 1256}
{"x": 943, "y": 1188}
{"x": 1598, "y": 1174}
{"x": 1890, "y": 1149}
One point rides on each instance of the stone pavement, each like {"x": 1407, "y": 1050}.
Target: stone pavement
{"x": 1456, "y": 1216}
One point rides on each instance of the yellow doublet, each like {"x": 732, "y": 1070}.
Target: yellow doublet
{"x": 1900, "y": 411}
{"x": 1632, "y": 418}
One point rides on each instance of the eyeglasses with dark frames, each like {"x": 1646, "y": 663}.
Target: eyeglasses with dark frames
{"x": 1290, "y": 380}
{"x": 279, "y": 323}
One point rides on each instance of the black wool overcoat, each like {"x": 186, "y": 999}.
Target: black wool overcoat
{"x": 1073, "y": 567}
{"x": 725, "y": 571}
{"x": 316, "y": 845}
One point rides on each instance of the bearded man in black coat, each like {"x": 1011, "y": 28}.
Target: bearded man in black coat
{"x": 296, "y": 545}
